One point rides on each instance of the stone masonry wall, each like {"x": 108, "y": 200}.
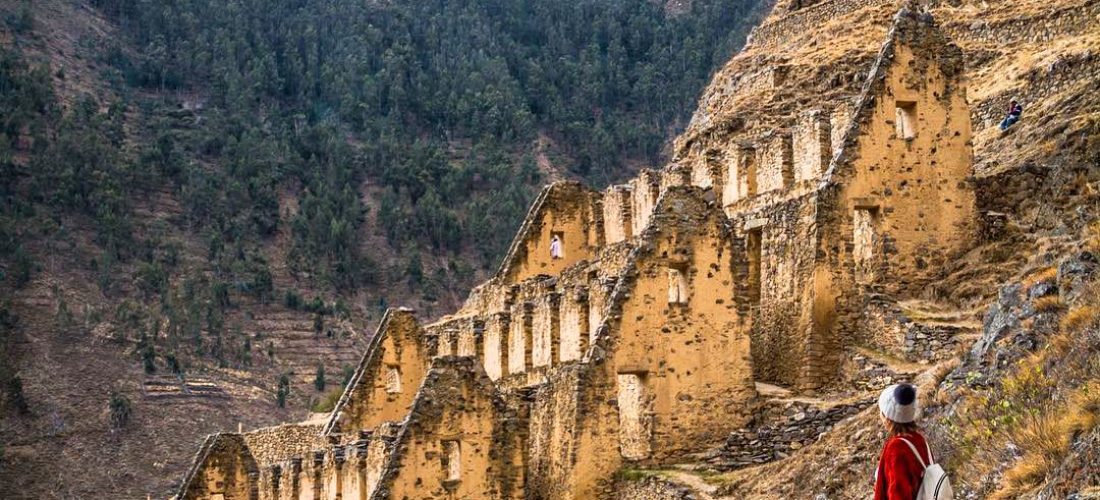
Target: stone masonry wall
{"x": 788, "y": 27}
{"x": 782, "y": 311}
{"x": 775, "y": 163}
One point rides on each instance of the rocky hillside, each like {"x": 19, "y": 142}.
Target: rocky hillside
{"x": 1010, "y": 331}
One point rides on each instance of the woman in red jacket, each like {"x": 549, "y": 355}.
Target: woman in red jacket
{"x": 899, "y": 471}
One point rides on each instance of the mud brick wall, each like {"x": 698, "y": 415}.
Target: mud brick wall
{"x": 398, "y": 350}
{"x": 461, "y": 440}
{"x": 688, "y": 362}
{"x": 567, "y": 210}
{"x": 223, "y": 467}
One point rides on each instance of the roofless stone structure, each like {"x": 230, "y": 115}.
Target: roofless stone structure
{"x": 795, "y": 197}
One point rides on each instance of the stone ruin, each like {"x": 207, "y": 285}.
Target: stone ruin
{"x": 748, "y": 259}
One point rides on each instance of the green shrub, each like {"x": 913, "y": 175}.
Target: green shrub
{"x": 121, "y": 411}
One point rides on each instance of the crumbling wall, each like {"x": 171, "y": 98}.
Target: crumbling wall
{"x": 897, "y": 194}
{"x": 775, "y": 163}
{"x": 223, "y": 469}
{"x": 276, "y": 444}
{"x": 690, "y": 359}
{"x": 740, "y": 174}
{"x": 460, "y": 440}
{"x": 386, "y": 380}
{"x": 783, "y": 267}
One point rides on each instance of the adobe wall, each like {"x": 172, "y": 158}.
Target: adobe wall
{"x": 568, "y": 209}
{"x": 917, "y": 186}
{"x": 572, "y": 448}
{"x": 459, "y": 440}
{"x": 224, "y": 468}
{"x": 899, "y": 205}
{"x": 386, "y": 380}
{"x": 690, "y": 359}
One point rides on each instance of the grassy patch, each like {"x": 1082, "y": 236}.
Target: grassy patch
{"x": 1046, "y": 437}
{"x": 1050, "y": 303}
{"x": 327, "y": 402}
{"x": 1040, "y": 275}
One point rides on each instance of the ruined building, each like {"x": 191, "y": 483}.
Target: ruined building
{"x": 815, "y": 179}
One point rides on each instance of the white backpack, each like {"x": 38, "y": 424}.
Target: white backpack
{"x": 934, "y": 485}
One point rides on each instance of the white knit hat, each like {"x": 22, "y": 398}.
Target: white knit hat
{"x": 899, "y": 403}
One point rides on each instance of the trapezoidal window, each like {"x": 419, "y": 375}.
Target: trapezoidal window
{"x": 393, "y": 380}
{"x": 755, "y": 254}
{"x": 906, "y": 119}
{"x": 452, "y": 460}
{"x": 678, "y": 292}
{"x": 864, "y": 229}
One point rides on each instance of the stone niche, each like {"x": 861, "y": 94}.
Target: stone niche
{"x": 645, "y": 189}
{"x": 635, "y": 431}
{"x": 574, "y": 327}
{"x": 617, "y": 214}
{"x": 740, "y": 174}
{"x": 812, "y": 140}
{"x": 774, "y": 158}
{"x": 495, "y": 350}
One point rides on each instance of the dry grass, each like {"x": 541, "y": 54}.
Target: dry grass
{"x": 1040, "y": 275}
{"x": 1092, "y": 237}
{"x": 1046, "y": 437}
{"x": 1079, "y": 318}
{"x": 1050, "y": 303}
